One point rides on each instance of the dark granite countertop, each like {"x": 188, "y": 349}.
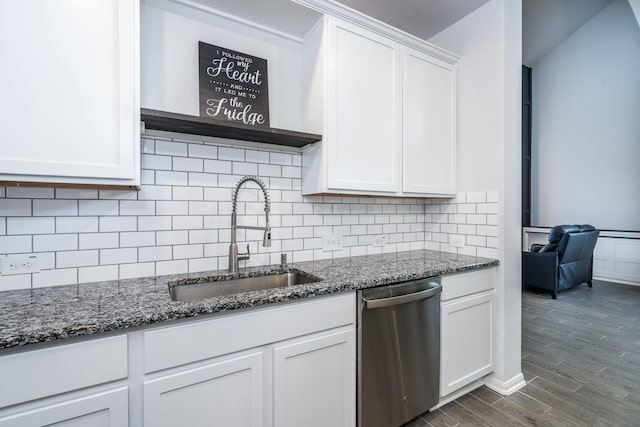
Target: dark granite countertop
{"x": 48, "y": 314}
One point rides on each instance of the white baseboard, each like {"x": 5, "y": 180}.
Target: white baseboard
{"x": 505, "y": 387}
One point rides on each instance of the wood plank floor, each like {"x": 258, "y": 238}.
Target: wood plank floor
{"x": 581, "y": 361}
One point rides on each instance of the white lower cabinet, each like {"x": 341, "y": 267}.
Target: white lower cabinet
{"x": 467, "y": 339}
{"x": 290, "y": 365}
{"x": 225, "y": 392}
{"x": 69, "y": 385}
{"x": 106, "y": 409}
{"x": 314, "y": 381}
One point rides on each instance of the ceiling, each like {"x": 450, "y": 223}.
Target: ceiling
{"x": 422, "y": 18}
{"x": 547, "y": 23}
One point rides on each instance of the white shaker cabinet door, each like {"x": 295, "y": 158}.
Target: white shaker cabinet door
{"x": 466, "y": 341}
{"x": 429, "y": 126}
{"x": 363, "y": 130}
{"x": 70, "y": 93}
{"x": 106, "y": 409}
{"x": 225, "y": 393}
{"x": 314, "y": 381}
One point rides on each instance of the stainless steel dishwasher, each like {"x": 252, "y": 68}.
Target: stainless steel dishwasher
{"x": 398, "y": 352}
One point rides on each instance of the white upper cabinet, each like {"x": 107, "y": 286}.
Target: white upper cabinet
{"x": 429, "y": 125}
{"x": 385, "y": 105}
{"x": 363, "y": 110}
{"x": 70, "y": 92}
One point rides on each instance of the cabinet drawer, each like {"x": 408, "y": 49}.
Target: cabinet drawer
{"x": 471, "y": 282}
{"x": 179, "y": 345}
{"x": 40, "y": 373}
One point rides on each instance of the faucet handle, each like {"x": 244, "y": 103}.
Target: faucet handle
{"x": 242, "y": 257}
{"x": 283, "y": 261}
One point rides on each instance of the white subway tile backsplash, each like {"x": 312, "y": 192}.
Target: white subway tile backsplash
{"x": 194, "y": 222}
{"x": 241, "y": 168}
{"x": 172, "y": 208}
{"x": 217, "y": 166}
{"x": 19, "y": 281}
{"x": 155, "y": 253}
{"x": 172, "y": 178}
{"x": 197, "y": 265}
{"x": 68, "y": 259}
{"x": 15, "y": 207}
{"x": 197, "y": 179}
{"x": 29, "y": 193}
{"x": 188, "y": 251}
{"x": 117, "y": 223}
{"x": 255, "y": 156}
{"x": 487, "y": 208}
{"x": 76, "y": 193}
{"x": 65, "y": 276}
{"x": 151, "y": 223}
{"x": 143, "y": 269}
{"x": 203, "y": 151}
{"x": 30, "y": 225}
{"x": 15, "y": 244}
{"x": 118, "y": 256}
{"x": 180, "y": 237}
{"x": 97, "y": 207}
{"x": 55, "y": 242}
{"x": 488, "y": 230}
{"x": 188, "y": 193}
{"x": 187, "y": 165}
{"x": 137, "y": 238}
{"x": 270, "y": 170}
{"x": 148, "y": 146}
{"x": 97, "y": 273}
{"x": 98, "y": 240}
{"x": 477, "y": 197}
{"x": 228, "y": 153}
{"x": 155, "y": 192}
{"x": 149, "y": 161}
{"x": 180, "y": 219}
{"x": 203, "y": 236}
{"x": 171, "y": 148}
{"x": 137, "y": 207}
{"x": 62, "y": 207}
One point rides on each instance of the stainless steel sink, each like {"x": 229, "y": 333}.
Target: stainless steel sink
{"x": 194, "y": 289}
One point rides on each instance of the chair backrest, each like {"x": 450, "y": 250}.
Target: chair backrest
{"x": 577, "y": 246}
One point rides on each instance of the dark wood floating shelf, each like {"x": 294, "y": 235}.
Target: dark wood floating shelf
{"x": 204, "y": 126}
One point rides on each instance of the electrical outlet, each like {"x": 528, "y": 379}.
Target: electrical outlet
{"x": 19, "y": 264}
{"x": 456, "y": 241}
{"x": 332, "y": 242}
{"x": 380, "y": 240}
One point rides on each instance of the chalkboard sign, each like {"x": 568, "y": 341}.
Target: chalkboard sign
{"x": 233, "y": 86}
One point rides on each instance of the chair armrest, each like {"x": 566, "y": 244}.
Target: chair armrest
{"x": 536, "y": 247}
{"x": 540, "y": 270}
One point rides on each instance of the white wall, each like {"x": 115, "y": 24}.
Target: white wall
{"x": 586, "y": 127}
{"x": 169, "y": 59}
{"x": 489, "y": 98}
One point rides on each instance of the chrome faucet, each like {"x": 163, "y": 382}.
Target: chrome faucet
{"x": 234, "y": 256}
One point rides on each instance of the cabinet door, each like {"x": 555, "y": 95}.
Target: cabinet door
{"x": 314, "y": 381}
{"x": 429, "y": 125}
{"x": 70, "y": 103}
{"x": 107, "y": 409}
{"x": 364, "y": 129}
{"x": 224, "y": 393}
{"x": 466, "y": 341}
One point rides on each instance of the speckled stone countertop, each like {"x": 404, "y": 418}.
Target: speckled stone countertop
{"x": 48, "y": 314}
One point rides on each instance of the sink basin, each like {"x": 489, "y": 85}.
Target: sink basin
{"x": 200, "y": 288}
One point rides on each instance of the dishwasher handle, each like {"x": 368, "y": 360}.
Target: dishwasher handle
{"x": 368, "y": 304}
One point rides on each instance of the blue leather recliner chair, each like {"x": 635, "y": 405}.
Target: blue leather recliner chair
{"x": 566, "y": 261}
